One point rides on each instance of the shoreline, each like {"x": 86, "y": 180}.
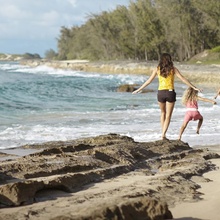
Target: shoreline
{"x": 207, "y": 75}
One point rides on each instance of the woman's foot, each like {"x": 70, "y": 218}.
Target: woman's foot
{"x": 197, "y": 131}
{"x": 165, "y": 139}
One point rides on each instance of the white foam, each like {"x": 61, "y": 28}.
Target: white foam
{"x": 141, "y": 122}
{"x": 142, "y": 125}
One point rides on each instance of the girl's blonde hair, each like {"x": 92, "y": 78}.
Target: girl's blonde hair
{"x": 189, "y": 95}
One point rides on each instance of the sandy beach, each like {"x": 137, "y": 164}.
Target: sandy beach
{"x": 208, "y": 207}
{"x": 105, "y": 177}
{"x": 112, "y": 176}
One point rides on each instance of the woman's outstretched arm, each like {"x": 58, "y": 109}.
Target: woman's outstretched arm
{"x": 186, "y": 81}
{"x": 151, "y": 78}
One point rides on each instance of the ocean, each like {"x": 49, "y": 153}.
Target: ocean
{"x": 40, "y": 104}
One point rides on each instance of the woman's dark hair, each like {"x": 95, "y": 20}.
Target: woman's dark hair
{"x": 165, "y": 65}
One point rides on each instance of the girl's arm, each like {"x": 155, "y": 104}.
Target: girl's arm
{"x": 183, "y": 79}
{"x": 206, "y": 100}
{"x": 153, "y": 75}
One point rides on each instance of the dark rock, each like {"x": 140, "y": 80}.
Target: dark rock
{"x": 132, "y": 88}
{"x": 129, "y": 209}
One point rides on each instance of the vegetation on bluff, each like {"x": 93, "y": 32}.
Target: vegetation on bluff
{"x": 143, "y": 30}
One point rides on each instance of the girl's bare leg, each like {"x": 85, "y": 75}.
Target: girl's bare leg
{"x": 165, "y": 117}
{"x": 162, "y": 113}
{"x": 199, "y": 125}
{"x": 182, "y": 129}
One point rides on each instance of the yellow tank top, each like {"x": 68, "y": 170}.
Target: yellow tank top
{"x": 166, "y": 83}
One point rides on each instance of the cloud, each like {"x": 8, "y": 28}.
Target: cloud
{"x": 72, "y": 2}
{"x": 42, "y": 19}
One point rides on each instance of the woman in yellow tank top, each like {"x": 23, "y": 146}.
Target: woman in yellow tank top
{"x": 166, "y": 95}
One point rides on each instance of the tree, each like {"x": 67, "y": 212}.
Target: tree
{"x": 144, "y": 30}
{"x": 31, "y": 56}
{"x": 51, "y": 54}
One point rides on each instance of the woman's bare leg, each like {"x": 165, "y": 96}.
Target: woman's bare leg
{"x": 199, "y": 125}
{"x": 162, "y": 113}
{"x": 165, "y": 117}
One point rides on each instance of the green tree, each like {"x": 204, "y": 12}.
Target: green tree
{"x": 31, "y": 56}
{"x": 51, "y": 54}
{"x": 148, "y": 29}
{"x": 144, "y": 30}
{"x": 64, "y": 41}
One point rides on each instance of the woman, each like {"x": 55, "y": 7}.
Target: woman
{"x": 166, "y": 94}
{"x": 190, "y": 100}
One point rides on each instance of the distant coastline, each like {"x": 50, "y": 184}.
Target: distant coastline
{"x": 18, "y": 57}
{"x": 208, "y": 75}
{"x": 130, "y": 67}
{"x": 10, "y": 57}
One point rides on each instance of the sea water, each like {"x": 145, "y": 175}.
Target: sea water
{"x": 40, "y": 104}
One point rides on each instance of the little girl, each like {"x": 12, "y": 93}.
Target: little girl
{"x": 189, "y": 99}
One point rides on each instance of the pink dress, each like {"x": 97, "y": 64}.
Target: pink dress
{"x": 192, "y": 112}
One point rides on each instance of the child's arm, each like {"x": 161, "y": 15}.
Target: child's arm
{"x": 206, "y": 100}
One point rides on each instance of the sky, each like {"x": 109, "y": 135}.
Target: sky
{"x": 33, "y": 26}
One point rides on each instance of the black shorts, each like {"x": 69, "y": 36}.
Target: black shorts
{"x": 166, "y": 96}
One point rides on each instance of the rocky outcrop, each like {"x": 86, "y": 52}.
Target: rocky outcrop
{"x": 103, "y": 177}
{"x": 99, "y": 67}
{"x": 131, "y": 88}
{"x": 127, "y": 209}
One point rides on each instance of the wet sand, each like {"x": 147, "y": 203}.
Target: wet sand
{"x": 208, "y": 207}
